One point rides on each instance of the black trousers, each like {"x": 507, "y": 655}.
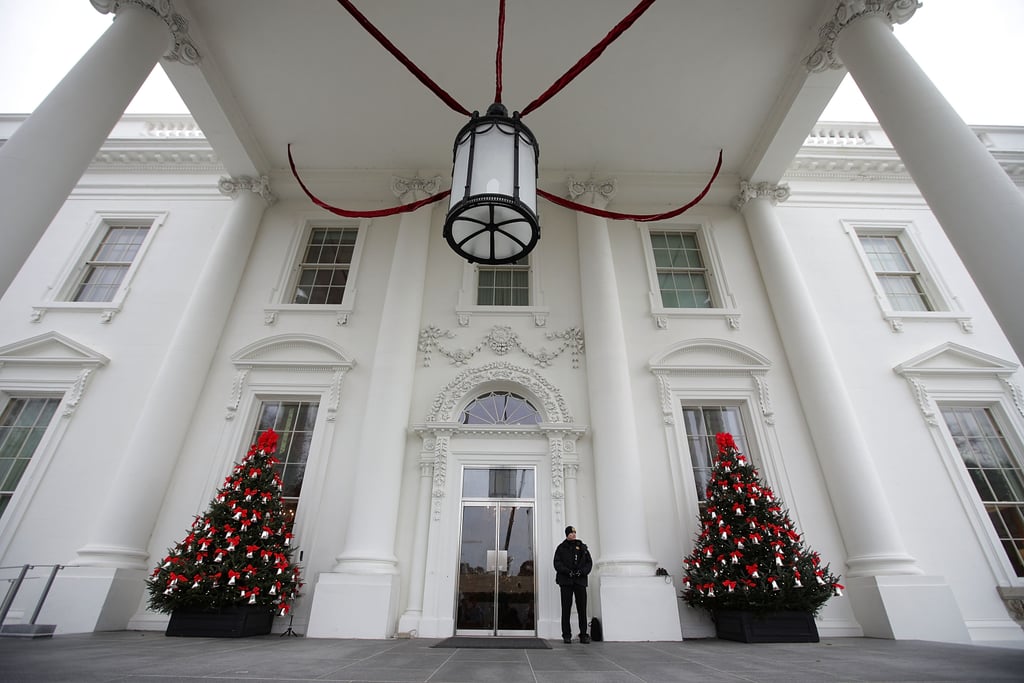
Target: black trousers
{"x": 580, "y": 594}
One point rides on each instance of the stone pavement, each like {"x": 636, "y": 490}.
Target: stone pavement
{"x": 155, "y": 658}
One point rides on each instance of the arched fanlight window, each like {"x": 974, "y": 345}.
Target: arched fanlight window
{"x": 500, "y": 408}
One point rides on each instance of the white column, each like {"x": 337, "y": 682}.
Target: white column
{"x": 134, "y": 497}
{"x": 47, "y": 155}
{"x": 869, "y": 530}
{"x": 974, "y": 200}
{"x": 876, "y": 554}
{"x": 357, "y": 599}
{"x": 115, "y": 559}
{"x": 635, "y": 604}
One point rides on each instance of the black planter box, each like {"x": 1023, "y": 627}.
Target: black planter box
{"x": 771, "y": 627}
{"x": 227, "y": 622}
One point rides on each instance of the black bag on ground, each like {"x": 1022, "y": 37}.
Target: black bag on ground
{"x": 596, "y": 632}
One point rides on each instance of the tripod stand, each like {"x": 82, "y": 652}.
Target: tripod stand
{"x": 290, "y": 631}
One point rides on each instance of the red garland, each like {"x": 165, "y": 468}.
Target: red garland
{"x": 379, "y": 213}
{"x": 643, "y": 218}
{"x": 497, "y": 55}
{"x": 563, "y": 81}
{"x": 588, "y": 58}
{"x": 406, "y": 62}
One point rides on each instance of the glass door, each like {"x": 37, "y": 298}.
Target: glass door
{"x": 496, "y": 585}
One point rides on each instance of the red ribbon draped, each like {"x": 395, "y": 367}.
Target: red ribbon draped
{"x": 643, "y": 218}
{"x": 497, "y": 56}
{"x": 406, "y": 62}
{"x": 378, "y": 213}
{"x": 588, "y": 58}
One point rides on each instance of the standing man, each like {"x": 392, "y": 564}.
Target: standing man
{"x": 572, "y": 565}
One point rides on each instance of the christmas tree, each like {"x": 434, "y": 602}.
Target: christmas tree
{"x": 239, "y": 552}
{"x": 748, "y": 556}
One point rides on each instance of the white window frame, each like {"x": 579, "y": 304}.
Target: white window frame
{"x": 955, "y": 375}
{"x": 725, "y": 303}
{"x": 712, "y": 372}
{"x": 289, "y": 367}
{"x": 60, "y": 291}
{"x": 947, "y": 307}
{"x": 48, "y": 365}
{"x": 282, "y": 294}
{"x": 466, "y": 308}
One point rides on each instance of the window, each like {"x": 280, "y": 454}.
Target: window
{"x": 105, "y": 270}
{"x": 896, "y": 275}
{"x": 293, "y": 421}
{"x": 995, "y": 472}
{"x": 686, "y": 278}
{"x": 682, "y": 277}
{"x": 502, "y": 291}
{"x": 504, "y": 285}
{"x": 324, "y": 266}
{"x": 701, "y": 424}
{"x": 906, "y": 284}
{"x": 100, "y": 268}
{"x": 22, "y": 425}
{"x": 500, "y": 408}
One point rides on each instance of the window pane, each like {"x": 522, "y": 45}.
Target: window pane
{"x": 499, "y": 483}
{"x": 22, "y": 425}
{"x": 897, "y": 276}
{"x": 500, "y": 408}
{"x": 702, "y": 423}
{"x": 504, "y": 285}
{"x": 995, "y": 472}
{"x": 294, "y": 422}
{"x": 682, "y": 277}
{"x": 323, "y": 271}
{"x": 104, "y": 271}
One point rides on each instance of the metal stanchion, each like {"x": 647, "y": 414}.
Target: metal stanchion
{"x": 31, "y": 629}
{"x": 11, "y": 592}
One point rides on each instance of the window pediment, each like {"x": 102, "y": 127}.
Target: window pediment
{"x": 955, "y": 359}
{"x": 709, "y": 353}
{"x": 292, "y": 350}
{"x": 51, "y": 348}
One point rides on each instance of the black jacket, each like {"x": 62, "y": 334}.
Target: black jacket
{"x": 572, "y": 563}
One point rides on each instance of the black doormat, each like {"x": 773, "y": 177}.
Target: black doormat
{"x": 493, "y": 643}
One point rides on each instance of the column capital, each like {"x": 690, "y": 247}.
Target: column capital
{"x": 823, "y": 57}
{"x": 413, "y": 189}
{"x": 773, "y": 193}
{"x": 184, "y": 50}
{"x": 599, "y": 192}
{"x": 232, "y": 186}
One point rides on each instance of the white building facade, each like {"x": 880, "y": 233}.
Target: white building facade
{"x": 845, "y": 311}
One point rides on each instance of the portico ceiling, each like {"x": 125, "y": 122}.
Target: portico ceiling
{"x": 690, "y": 77}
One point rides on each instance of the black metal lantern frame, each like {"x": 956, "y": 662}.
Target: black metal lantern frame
{"x": 493, "y": 220}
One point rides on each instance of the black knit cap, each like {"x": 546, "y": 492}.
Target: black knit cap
{"x": 570, "y": 530}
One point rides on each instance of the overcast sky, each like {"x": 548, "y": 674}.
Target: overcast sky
{"x": 970, "y": 49}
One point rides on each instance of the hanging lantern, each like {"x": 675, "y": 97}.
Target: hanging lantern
{"x": 492, "y": 217}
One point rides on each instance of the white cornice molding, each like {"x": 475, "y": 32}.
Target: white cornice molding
{"x": 823, "y": 57}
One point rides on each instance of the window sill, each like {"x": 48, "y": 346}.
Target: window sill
{"x": 897, "y": 319}
{"x": 272, "y": 313}
{"x": 105, "y": 309}
{"x": 661, "y": 316}
{"x": 466, "y": 313}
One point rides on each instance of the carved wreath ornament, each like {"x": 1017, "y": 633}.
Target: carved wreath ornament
{"x": 501, "y": 340}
